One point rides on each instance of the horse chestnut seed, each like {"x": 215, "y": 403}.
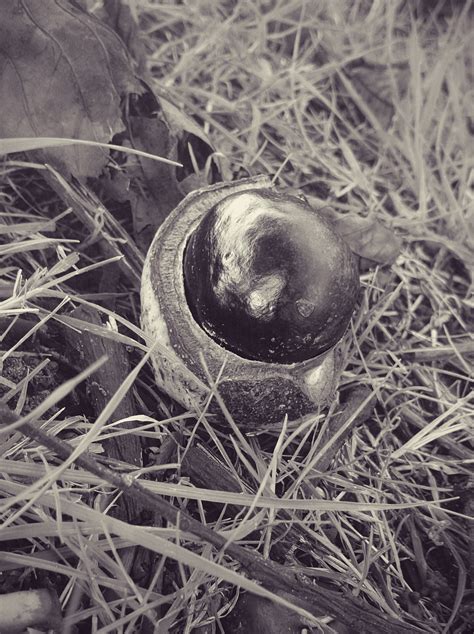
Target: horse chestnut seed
{"x": 268, "y": 278}
{"x": 239, "y": 267}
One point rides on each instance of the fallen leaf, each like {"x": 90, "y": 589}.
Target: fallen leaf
{"x": 119, "y": 16}
{"x": 194, "y": 148}
{"x": 159, "y": 192}
{"x": 367, "y": 237}
{"x": 179, "y": 121}
{"x": 66, "y": 75}
{"x": 153, "y": 190}
{"x": 62, "y": 74}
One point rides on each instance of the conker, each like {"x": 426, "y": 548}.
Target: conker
{"x": 187, "y": 356}
{"x": 267, "y": 277}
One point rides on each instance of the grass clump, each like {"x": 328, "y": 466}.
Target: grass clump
{"x": 361, "y": 106}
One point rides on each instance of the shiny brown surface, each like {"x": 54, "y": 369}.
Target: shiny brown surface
{"x": 268, "y": 278}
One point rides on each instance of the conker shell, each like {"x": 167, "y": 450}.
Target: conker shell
{"x": 187, "y": 360}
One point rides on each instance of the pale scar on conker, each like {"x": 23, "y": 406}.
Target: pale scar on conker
{"x": 268, "y": 278}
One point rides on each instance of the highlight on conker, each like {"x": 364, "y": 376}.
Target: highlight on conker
{"x": 268, "y": 278}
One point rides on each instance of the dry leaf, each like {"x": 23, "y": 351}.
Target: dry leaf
{"x": 153, "y": 135}
{"x": 118, "y": 15}
{"x": 193, "y": 145}
{"x": 179, "y": 121}
{"x": 368, "y": 238}
{"x": 194, "y": 148}
{"x": 62, "y": 74}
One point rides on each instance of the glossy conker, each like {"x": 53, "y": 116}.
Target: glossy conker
{"x": 187, "y": 361}
{"x": 268, "y": 278}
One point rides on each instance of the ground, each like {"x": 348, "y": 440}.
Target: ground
{"x": 362, "y": 107}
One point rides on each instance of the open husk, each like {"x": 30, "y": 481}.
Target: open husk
{"x": 188, "y": 364}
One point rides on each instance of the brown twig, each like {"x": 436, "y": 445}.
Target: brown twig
{"x": 86, "y": 348}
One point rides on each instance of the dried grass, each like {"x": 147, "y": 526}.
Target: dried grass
{"x": 280, "y": 89}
